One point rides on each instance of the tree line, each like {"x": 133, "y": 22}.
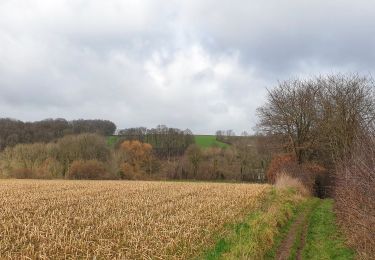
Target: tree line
{"x": 14, "y": 131}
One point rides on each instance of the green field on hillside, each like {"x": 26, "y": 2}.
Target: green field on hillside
{"x": 206, "y": 141}
{"x": 112, "y": 140}
{"x": 203, "y": 141}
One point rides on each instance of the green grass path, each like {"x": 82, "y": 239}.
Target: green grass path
{"x": 261, "y": 235}
{"x": 323, "y": 240}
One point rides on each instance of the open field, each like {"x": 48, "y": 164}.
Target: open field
{"x": 117, "y": 219}
{"x": 206, "y": 141}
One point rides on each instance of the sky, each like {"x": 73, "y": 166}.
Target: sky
{"x": 198, "y": 64}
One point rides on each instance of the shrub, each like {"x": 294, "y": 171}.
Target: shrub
{"x": 91, "y": 170}
{"x": 135, "y": 158}
{"x": 311, "y": 175}
{"x": 22, "y": 173}
{"x": 280, "y": 163}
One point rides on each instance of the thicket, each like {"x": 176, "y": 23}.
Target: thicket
{"x": 237, "y": 163}
{"x": 53, "y": 160}
{"x": 14, "y": 132}
{"x": 84, "y": 156}
{"x": 88, "y": 170}
{"x": 355, "y": 195}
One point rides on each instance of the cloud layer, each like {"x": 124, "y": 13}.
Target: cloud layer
{"x": 203, "y": 65}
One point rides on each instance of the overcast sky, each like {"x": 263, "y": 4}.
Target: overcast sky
{"x": 198, "y": 64}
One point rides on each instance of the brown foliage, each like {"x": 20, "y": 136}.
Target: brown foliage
{"x": 136, "y": 151}
{"x": 311, "y": 174}
{"x": 136, "y": 159}
{"x": 22, "y": 173}
{"x": 92, "y": 170}
{"x": 280, "y": 163}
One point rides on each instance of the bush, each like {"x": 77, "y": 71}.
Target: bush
{"x": 135, "y": 159}
{"x": 22, "y": 173}
{"x": 310, "y": 174}
{"x": 90, "y": 170}
{"x": 280, "y": 163}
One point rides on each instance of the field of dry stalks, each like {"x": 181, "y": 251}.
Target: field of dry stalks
{"x": 116, "y": 219}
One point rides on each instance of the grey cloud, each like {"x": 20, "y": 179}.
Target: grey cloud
{"x": 202, "y": 64}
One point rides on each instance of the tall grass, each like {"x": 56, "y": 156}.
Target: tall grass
{"x": 283, "y": 181}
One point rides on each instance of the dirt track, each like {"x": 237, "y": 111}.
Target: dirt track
{"x": 298, "y": 230}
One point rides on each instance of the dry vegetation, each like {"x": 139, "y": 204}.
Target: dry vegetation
{"x": 113, "y": 219}
{"x": 355, "y": 196}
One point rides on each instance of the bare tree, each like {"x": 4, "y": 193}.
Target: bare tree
{"x": 320, "y": 116}
{"x": 291, "y": 110}
{"x": 347, "y": 104}
{"x": 194, "y": 154}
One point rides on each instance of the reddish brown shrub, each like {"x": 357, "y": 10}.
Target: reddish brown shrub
{"x": 280, "y": 163}
{"x": 311, "y": 174}
{"x": 92, "y": 170}
{"x": 137, "y": 158}
{"x": 22, "y": 173}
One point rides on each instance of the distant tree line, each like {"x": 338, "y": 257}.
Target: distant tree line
{"x": 14, "y": 132}
{"x": 166, "y": 141}
{"x": 225, "y": 136}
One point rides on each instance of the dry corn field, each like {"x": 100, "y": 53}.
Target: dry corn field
{"x": 116, "y": 219}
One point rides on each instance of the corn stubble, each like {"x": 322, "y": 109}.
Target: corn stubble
{"x": 116, "y": 219}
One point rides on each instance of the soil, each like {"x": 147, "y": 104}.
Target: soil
{"x": 300, "y": 225}
{"x": 303, "y": 240}
{"x": 287, "y": 244}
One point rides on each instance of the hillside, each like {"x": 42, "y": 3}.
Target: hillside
{"x": 206, "y": 141}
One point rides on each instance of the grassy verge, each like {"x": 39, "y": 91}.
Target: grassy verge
{"x": 206, "y": 141}
{"x": 255, "y": 235}
{"x": 323, "y": 238}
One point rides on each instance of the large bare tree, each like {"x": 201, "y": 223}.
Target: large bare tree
{"x": 291, "y": 110}
{"x": 319, "y": 116}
